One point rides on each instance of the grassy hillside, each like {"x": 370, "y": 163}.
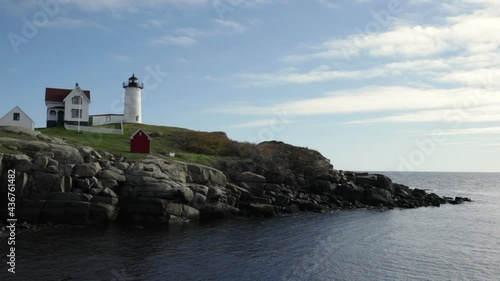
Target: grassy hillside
{"x": 191, "y": 146}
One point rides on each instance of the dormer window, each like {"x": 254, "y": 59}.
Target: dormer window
{"x": 76, "y": 100}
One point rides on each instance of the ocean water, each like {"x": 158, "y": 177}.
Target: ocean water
{"x": 447, "y": 243}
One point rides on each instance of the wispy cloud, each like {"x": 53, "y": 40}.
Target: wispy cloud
{"x": 328, "y": 4}
{"x": 174, "y": 41}
{"x": 261, "y": 123}
{"x": 374, "y": 99}
{"x": 121, "y": 58}
{"x": 73, "y": 23}
{"x": 475, "y": 131}
{"x": 229, "y": 24}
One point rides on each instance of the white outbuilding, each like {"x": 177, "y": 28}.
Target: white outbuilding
{"x": 17, "y": 117}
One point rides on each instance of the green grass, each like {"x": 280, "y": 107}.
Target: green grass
{"x": 120, "y": 144}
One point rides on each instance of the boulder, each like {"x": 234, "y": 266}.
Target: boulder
{"x": 309, "y": 206}
{"x": 205, "y": 175}
{"x": 178, "y": 194}
{"x": 109, "y": 183}
{"x": 102, "y": 213}
{"x": 52, "y": 169}
{"x": 377, "y": 196}
{"x": 69, "y": 196}
{"x": 176, "y": 172}
{"x": 250, "y": 177}
{"x": 66, "y": 154}
{"x": 183, "y": 211}
{"x": 40, "y": 162}
{"x": 350, "y": 192}
{"x": 214, "y": 193}
{"x": 262, "y": 210}
{"x": 20, "y": 131}
{"x": 198, "y": 201}
{"x": 44, "y": 184}
{"x": 19, "y": 162}
{"x": 198, "y": 188}
{"x": 86, "y": 170}
{"x": 88, "y": 153}
{"x": 218, "y": 211}
{"x": 96, "y": 190}
{"x": 104, "y": 199}
{"x": 111, "y": 175}
{"x": 83, "y": 184}
{"x": 254, "y": 187}
{"x": 108, "y": 193}
{"x": 121, "y": 165}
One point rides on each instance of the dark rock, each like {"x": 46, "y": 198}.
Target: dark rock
{"x": 108, "y": 183}
{"x": 214, "y": 193}
{"x": 108, "y": 193}
{"x": 111, "y": 175}
{"x": 86, "y": 170}
{"x": 250, "y": 178}
{"x": 198, "y": 201}
{"x": 198, "y": 188}
{"x": 67, "y": 196}
{"x": 105, "y": 199}
{"x": 292, "y": 209}
{"x": 20, "y": 162}
{"x": 351, "y": 192}
{"x": 262, "y": 210}
{"x": 67, "y": 212}
{"x": 218, "y": 211}
{"x": 102, "y": 213}
{"x": 66, "y": 154}
{"x": 40, "y": 162}
{"x": 309, "y": 206}
{"x": 282, "y": 200}
{"x": 205, "y": 175}
{"x": 377, "y": 196}
{"x": 44, "y": 184}
{"x": 53, "y": 170}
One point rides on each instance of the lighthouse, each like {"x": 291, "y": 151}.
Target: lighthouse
{"x": 133, "y": 103}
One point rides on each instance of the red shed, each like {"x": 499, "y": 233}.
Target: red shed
{"x": 140, "y": 142}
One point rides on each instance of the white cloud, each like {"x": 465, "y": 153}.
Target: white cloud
{"x": 229, "y": 24}
{"x": 192, "y": 32}
{"x": 376, "y": 99}
{"x": 121, "y": 58}
{"x": 328, "y": 4}
{"x": 261, "y": 123}
{"x": 475, "y": 131}
{"x": 455, "y": 115}
{"x": 467, "y": 33}
{"x": 72, "y": 23}
{"x": 174, "y": 41}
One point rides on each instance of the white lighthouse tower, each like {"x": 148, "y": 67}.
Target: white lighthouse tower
{"x": 133, "y": 103}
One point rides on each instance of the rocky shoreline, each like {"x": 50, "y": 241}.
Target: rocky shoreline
{"x": 60, "y": 184}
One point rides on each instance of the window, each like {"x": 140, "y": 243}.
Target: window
{"x": 74, "y": 113}
{"x": 16, "y": 116}
{"x": 108, "y": 118}
{"x": 76, "y": 100}
{"x": 137, "y": 118}
{"x": 52, "y": 113}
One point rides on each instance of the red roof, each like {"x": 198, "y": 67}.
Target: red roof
{"x": 53, "y": 94}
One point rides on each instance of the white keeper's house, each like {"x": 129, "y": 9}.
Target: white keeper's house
{"x": 71, "y": 106}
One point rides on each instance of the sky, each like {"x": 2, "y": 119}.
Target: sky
{"x": 376, "y": 85}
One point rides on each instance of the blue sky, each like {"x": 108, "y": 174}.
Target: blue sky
{"x": 373, "y": 85}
